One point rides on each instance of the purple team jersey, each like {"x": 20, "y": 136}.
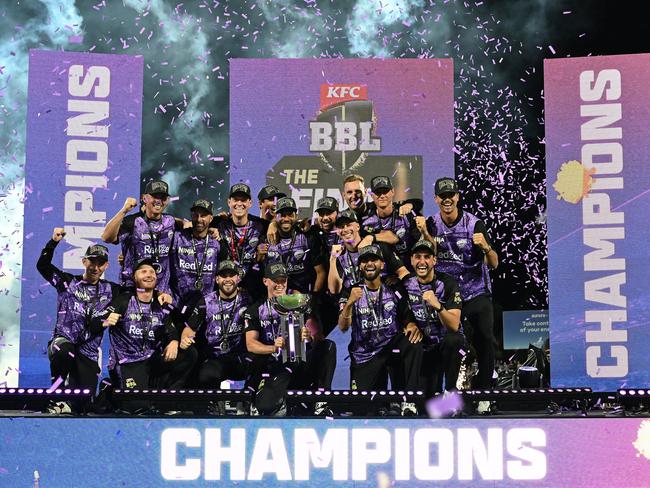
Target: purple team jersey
{"x": 446, "y": 291}
{"x": 141, "y": 238}
{"x": 78, "y": 303}
{"x": 458, "y": 257}
{"x": 221, "y": 324}
{"x": 192, "y": 265}
{"x": 377, "y": 317}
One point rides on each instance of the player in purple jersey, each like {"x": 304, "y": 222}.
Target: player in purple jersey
{"x": 465, "y": 253}
{"x": 300, "y": 253}
{"x": 144, "y": 339}
{"x": 355, "y": 196}
{"x": 344, "y": 258}
{"x": 216, "y": 326}
{"x": 146, "y": 234}
{"x": 387, "y": 222}
{"x": 243, "y": 238}
{"x": 73, "y": 350}
{"x": 268, "y": 197}
{"x": 194, "y": 256}
{"x": 324, "y": 231}
{"x": 384, "y": 332}
{"x": 327, "y": 209}
{"x": 264, "y": 342}
{"x": 436, "y": 304}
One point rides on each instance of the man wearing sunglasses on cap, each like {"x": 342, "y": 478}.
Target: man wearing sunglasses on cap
{"x": 464, "y": 251}
{"x": 146, "y": 234}
{"x": 73, "y": 350}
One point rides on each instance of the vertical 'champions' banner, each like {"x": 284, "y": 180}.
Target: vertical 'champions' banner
{"x": 84, "y": 125}
{"x": 304, "y": 124}
{"x": 597, "y": 146}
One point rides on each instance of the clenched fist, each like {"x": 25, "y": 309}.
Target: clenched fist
{"x": 431, "y": 299}
{"x": 355, "y": 295}
{"x": 479, "y": 240}
{"x": 279, "y": 342}
{"x": 405, "y": 209}
{"x": 57, "y": 234}
{"x": 421, "y": 224}
{"x": 337, "y": 249}
{"x": 129, "y": 204}
{"x": 112, "y": 319}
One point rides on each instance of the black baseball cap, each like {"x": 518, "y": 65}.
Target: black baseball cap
{"x": 204, "y": 204}
{"x": 275, "y": 271}
{"x": 347, "y": 215}
{"x": 380, "y": 183}
{"x": 371, "y": 250}
{"x": 269, "y": 192}
{"x": 445, "y": 185}
{"x": 145, "y": 262}
{"x": 156, "y": 186}
{"x": 286, "y": 203}
{"x": 227, "y": 266}
{"x": 328, "y": 203}
{"x": 423, "y": 244}
{"x": 240, "y": 188}
{"x": 97, "y": 251}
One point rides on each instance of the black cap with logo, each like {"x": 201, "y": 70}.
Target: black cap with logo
{"x": 445, "y": 185}
{"x": 327, "y": 203}
{"x": 227, "y": 266}
{"x": 380, "y": 183}
{"x": 424, "y": 245}
{"x": 97, "y": 251}
{"x": 204, "y": 204}
{"x": 275, "y": 271}
{"x": 372, "y": 250}
{"x": 286, "y": 203}
{"x": 145, "y": 262}
{"x": 347, "y": 215}
{"x": 270, "y": 192}
{"x": 157, "y": 187}
{"x": 241, "y": 188}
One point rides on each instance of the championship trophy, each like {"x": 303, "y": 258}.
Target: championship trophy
{"x": 292, "y": 310}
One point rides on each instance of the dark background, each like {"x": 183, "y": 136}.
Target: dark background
{"x": 498, "y": 50}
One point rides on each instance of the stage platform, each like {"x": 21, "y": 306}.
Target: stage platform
{"x": 609, "y": 447}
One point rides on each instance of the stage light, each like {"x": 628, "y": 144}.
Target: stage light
{"x": 37, "y": 399}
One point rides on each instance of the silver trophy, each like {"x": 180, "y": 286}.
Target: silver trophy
{"x": 292, "y": 310}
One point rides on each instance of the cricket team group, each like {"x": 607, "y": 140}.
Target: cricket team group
{"x": 197, "y": 302}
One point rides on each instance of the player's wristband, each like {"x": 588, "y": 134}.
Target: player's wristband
{"x": 485, "y": 253}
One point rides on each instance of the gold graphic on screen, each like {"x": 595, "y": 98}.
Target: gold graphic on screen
{"x": 573, "y": 181}
{"x": 642, "y": 443}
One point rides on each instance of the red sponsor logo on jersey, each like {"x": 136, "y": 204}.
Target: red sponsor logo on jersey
{"x": 332, "y": 94}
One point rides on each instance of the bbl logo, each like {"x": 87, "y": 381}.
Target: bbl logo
{"x": 342, "y": 140}
{"x": 343, "y": 130}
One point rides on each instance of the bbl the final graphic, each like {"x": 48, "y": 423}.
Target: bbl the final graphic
{"x": 343, "y": 140}
{"x": 307, "y": 124}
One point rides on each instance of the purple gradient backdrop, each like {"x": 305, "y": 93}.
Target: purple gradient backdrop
{"x": 565, "y": 242}
{"x": 579, "y": 452}
{"x": 45, "y": 171}
{"x": 273, "y": 100}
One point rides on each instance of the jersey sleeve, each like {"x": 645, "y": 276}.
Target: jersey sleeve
{"x": 57, "y": 278}
{"x": 197, "y": 318}
{"x": 252, "y": 318}
{"x": 393, "y": 262}
{"x": 316, "y": 252}
{"x": 479, "y": 228}
{"x": 404, "y": 313}
{"x": 126, "y": 227}
{"x": 452, "y": 299}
